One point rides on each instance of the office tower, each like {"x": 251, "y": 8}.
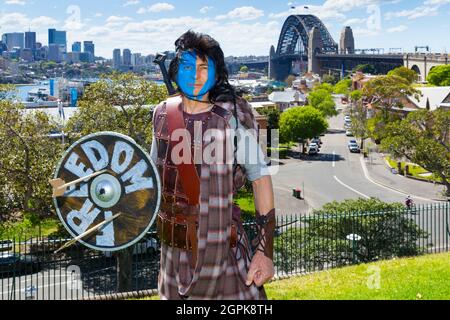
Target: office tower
{"x": 126, "y": 57}
{"x": 89, "y": 48}
{"x": 117, "y": 59}
{"x": 13, "y": 40}
{"x": 54, "y": 52}
{"x": 3, "y": 47}
{"x": 76, "y": 46}
{"x": 57, "y": 37}
{"x": 30, "y": 40}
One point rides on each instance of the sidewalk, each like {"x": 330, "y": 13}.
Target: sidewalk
{"x": 380, "y": 172}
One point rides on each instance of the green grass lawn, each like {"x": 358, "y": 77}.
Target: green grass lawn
{"x": 26, "y": 230}
{"x": 425, "y": 277}
{"x": 414, "y": 170}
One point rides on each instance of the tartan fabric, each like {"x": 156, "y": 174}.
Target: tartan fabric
{"x": 221, "y": 271}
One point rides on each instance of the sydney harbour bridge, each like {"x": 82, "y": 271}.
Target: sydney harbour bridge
{"x": 305, "y": 44}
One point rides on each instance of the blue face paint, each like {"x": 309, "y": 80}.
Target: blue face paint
{"x": 187, "y": 74}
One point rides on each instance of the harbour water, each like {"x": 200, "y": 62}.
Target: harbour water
{"x": 24, "y": 89}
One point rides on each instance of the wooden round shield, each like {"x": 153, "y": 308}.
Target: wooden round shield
{"x": 121, "y": 191}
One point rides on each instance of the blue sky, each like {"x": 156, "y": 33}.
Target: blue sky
{"x": 242, "y": 27}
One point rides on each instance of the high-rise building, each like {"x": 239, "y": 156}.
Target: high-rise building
{"x": 136, "y": 59}
{"x": 54, "y": 52}
{"x": 76, "y": 46}
{"x": 3, "y": 47}
{"x": 57, "y": 37}
{"x": 117, "y": 59}
{"x": 30, "y": 40}
{"x": 89, "y": 48}
{"x": 14, "y": 40}
{"x": 126, "y": 57}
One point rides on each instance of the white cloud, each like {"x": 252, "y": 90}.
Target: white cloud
{"x": 418, "y": 12}
{"x": 157, "y": 7}
{"x": 205, "y": 9}
{"x": 354, "y": 21}
{"x": 131, "y": 3}
{"x": 117, "y": 19}
{"x": 153, "y": 35}
{"x": 400, "y": 28}
{"x": 320, "y": 11}
{"x": 363, "y": 32}
{"x": 18, "y": 21}
{"x": 436, "y": 2}
{"x": 16, "y": 2}
{"x": 242, "y": 13}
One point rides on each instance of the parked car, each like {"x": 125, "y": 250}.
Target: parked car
{"x": 348, "y": 133}
{"x": 6, "y": 245}
{"x": 16, "y": 263}
{"x": 313, "y": 149}
{"x": 347, "y": 119}
{"x": 353, "y": 147}
{"x": 148, "y": 245}
{"x": 317, "y": 141}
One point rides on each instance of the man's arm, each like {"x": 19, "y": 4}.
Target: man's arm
{"x": 261, "y": 268}
{"x": 263, "y": 194}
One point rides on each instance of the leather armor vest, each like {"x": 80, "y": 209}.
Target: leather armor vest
{"x": 174, "y": 199}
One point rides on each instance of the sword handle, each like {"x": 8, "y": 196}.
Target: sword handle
{"x": 159, "y": 60}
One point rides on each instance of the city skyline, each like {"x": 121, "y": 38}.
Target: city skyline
{"x": 151, "y": 26}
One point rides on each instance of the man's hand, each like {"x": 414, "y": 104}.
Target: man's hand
{"x": 261, "y": 270}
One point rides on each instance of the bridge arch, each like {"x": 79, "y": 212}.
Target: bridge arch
{"x": 298, "y": 27}
{"x": 417, "y": 70}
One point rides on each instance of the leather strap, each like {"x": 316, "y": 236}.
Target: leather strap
{"x": 187, "y": 171}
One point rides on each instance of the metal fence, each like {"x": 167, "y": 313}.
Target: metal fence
{"x": 29, "y": 268}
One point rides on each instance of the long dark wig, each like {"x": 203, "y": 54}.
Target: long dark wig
{"x": 204, "y": 45}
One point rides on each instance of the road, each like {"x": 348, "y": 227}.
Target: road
{"x": 334, "y": 174}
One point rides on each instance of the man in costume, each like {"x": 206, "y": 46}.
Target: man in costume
{"x": 205, "y": 253}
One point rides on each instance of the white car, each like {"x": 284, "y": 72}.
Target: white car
{"x": 347, "y": 119}
{"x": 353, "y": 146}
{"x": 313, "y": 148}
{"x": 348, "y": 133}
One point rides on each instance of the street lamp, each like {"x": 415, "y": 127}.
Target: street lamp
{"x": 354, "y": 238}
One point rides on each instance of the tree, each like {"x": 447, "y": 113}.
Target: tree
{"x": 365, "y": 68}
{"x": 244, "y": 69}
{"x": 355, "y": 95}
{"x": 329, "y": 78}
{"x": 343, "y": 87}
{"x": 405, "y": 73}
{"x": 27, "y": 159}
{"x": 116, "y": 103}
{"x": 386, "y": 92}
{"x": 385, "y": 231}
{"x": 359, "y": 117}
{"x": 439, "y": 76}
{"x": 301, "y": 123}
{"x": 423, "y": 138}
{"x": 273, "y": 117}
{"x": 324, "y": 86}
{"x": 322, "y": 100}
